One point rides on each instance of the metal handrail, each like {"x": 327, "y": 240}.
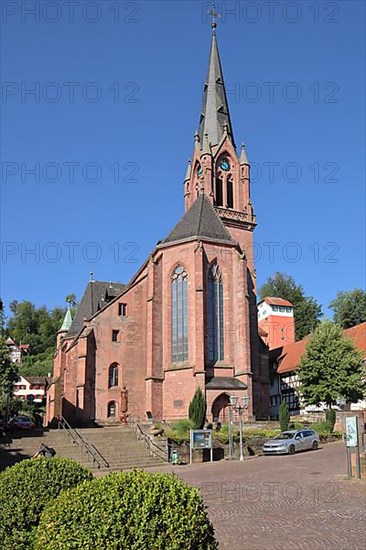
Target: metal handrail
{"x": 152, "y": 447}
{"x": 93, "y": 454}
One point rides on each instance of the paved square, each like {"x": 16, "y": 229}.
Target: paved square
{"x": 293, "y": 502}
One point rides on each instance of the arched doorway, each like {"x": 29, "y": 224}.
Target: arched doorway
{"x": 220, "y": 408}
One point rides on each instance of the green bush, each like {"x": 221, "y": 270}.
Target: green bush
{"x": 330, "y": 419}
{"x": 197, "y": 410}
{"x": 284, "y": 416}
{"x": 179, "y": 431}
{"x": 127, "y": 510}
{"x": 26, "y": 488}
{"x": 222, "y": 436}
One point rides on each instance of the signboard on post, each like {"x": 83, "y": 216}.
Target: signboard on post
{"x": 352, "y": 445}
{"x": 351, "y": 431}
{"x": 199, "y": 440}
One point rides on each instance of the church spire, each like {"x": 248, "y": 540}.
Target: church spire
{"x": 67, "y": 322}
{"x": 215, "y": 109}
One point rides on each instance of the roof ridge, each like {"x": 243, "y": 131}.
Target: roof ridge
{"x": 218, "y": 217}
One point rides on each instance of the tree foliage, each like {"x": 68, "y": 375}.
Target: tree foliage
{"x": 197, "y": 410}
{"x": 133, "y": 510}
{"x": 36, "y": 326}
{"x": 330, "y": 419}
{"x": 307, "y": 311}
{"x": 284, "y": 416}
{"x": 349, "y": 308}
{"x": 331, "y": 367}
{"x": 8, "y": 370}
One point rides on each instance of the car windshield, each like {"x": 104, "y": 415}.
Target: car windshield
{"x": 285, "y": 435}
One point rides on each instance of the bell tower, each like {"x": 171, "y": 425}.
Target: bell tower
{"x": 216, "y": 169}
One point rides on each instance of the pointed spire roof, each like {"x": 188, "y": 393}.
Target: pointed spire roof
{"x": 215, "y": 109}
{"x": 67, "y": 321}
{"x": 243, "y": 156}
{"x": 200, "y": 221}
{"x": 189, "y": 171}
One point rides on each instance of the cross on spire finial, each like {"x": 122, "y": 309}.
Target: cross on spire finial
{"x": 215, "y": 15}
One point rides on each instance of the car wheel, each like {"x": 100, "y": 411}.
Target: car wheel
{"x": 314, "y": 445}
{"x": 291, "y": 450}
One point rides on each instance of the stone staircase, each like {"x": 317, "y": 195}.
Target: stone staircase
{"x": 118, "y": 445}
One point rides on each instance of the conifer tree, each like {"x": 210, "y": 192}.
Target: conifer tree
{"x": 197, "y": 410}
{"x": 284, "y": 416}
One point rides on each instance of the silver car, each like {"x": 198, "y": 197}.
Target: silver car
{"x": 291, "y": 441}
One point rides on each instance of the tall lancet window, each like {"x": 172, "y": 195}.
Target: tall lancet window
{"x": 219, "y": 197}
{"x": 179, "y": 315}
{"x": 230, "y": 193}
{"x": 215, "y": 314}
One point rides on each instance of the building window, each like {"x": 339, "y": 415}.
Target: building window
{"x": 115, "y": 334}
{"x": 122, "y": 310}
{"x": 230, "y": 193}
{"x": 275, "y": 308}
{"x": 179, "y": 315}
{"x": 219, "y": 198}
{"x": 112, "y": 409}
{"x": 113, "y": 375}
{"x": 215, "y": 299}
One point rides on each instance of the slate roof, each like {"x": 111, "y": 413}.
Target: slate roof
{"x": 225, "y": 383}
{"x": 215, "y": 109}
{"x": 201, "y": 221}
{"x": 96, "y": 296}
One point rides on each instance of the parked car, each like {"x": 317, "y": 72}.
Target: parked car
{"x": 291, "y": 441}
{"x": 21, "y": 423}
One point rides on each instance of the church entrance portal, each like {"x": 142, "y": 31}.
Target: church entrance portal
{"x": 220, "y": 408}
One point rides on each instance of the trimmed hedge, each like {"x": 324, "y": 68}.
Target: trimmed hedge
{"x": 26, "y": 488}
{"x": 127, "y": 510}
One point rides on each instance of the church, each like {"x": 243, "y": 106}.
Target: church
{"x": 188, "y": 317}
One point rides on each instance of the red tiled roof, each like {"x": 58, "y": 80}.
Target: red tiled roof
{"x": 358, "y": 335}
{"x": 291, "y": 354}
{"x": 277, "y": 301}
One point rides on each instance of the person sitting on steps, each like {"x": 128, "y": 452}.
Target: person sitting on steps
{"x": 45, "y": 451}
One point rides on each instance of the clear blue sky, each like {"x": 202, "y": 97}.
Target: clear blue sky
{"x": 157, "y": 52}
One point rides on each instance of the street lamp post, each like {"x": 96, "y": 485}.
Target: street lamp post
{"x": 231, "y": 428}
{"x": 240, "y": 408}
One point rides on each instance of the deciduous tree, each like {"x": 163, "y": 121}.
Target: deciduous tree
{"x": 331, "y": 367}
{"x": 349, "y": 307}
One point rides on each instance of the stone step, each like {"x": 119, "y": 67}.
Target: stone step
{"x": 119, "y": 446}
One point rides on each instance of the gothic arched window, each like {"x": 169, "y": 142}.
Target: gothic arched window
{"x": 179, "y": 315}
{"x": 218, "y": 194}
{"x": 215, "y": 300}
{"x": 229, "y": 192}
{"x": 112, "y": 409}
{"x": 113, "y": 375}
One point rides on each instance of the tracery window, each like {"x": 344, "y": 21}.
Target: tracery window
{"x": 179, "y": 315}
{"x": 215, "y": 298}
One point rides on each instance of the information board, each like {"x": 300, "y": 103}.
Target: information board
{"x": 200, "y": 439}
{"x": 351, "y": 431}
